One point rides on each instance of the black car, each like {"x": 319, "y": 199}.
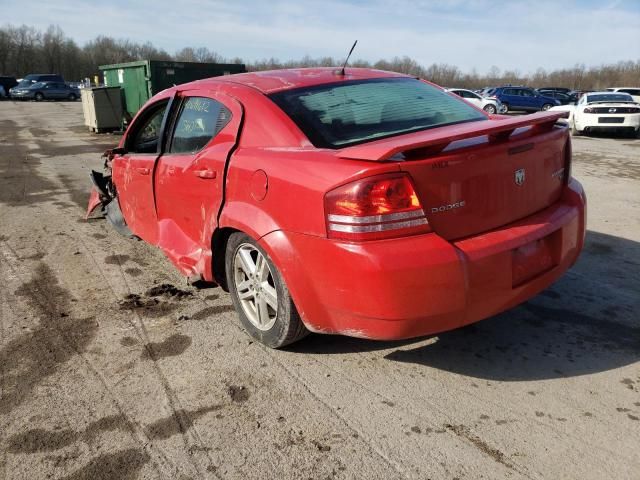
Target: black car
{"x": 7, "y": 83}
{"x": 565, "y": 98}
{"x": 40, "y": 77}
{"x": 555, "y": 89}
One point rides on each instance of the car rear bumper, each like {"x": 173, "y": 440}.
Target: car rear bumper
{"x": 413, "y": 286}
{"x": 591, "y": 122}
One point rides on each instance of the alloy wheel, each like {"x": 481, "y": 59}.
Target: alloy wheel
{"x": 255, "y": 286}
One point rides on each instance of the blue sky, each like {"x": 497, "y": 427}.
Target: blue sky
{"x": 522, "y": 35}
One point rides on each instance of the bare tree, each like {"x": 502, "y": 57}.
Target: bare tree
{"x": 52, "y": 44}
{"x": 26, "y": 50}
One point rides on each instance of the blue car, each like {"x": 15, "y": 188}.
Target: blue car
{"x": 523, "y": 98}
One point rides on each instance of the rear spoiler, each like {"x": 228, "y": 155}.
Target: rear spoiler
{"x": 498, "y": 128}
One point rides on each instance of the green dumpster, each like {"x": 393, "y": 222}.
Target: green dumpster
{"x": 143, "y": 79}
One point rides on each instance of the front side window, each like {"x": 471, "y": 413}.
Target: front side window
{"x": 144, "y": 139}
{"x": 200, "y": 119}
{"x": 347, "y": 113}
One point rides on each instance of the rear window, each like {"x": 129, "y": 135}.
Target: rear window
{"x": 610, "y": 97}
{"x": 348, "y": 113}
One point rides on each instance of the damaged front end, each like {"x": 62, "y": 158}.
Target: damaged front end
{"x": 104, "y": 195}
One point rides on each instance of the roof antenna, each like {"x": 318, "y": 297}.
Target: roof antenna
{"x": 347, "y": 59}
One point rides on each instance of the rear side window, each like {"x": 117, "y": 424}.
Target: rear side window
{"x": 348, "y": 113}
{"x": 200, "y": 119}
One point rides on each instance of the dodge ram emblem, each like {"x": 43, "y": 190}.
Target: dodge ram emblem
{"x": 519, "y": 176}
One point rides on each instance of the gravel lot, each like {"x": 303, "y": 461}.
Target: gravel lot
{"x": 104, "y": 376}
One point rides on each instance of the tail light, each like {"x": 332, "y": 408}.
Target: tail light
{"x": 375, "y": 208}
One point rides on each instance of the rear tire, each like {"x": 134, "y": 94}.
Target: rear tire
{"x": 260, "y": 295}
{"x": 546, "y": 107}
{"x": 39, "y": 97}
{"x": 574, "y": 131}
{"x": 72, "y": 97}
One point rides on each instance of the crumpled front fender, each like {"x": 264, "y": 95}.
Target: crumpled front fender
{"x": 94, "y": 202}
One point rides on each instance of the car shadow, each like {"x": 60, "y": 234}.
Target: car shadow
{"x": 585, "y": 323}
{"x": 612, "y": 135}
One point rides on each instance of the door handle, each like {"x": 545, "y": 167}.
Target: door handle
{"x": 205, "y": 173}
{"x": 143, "y": 170}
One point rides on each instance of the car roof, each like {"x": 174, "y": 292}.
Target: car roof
{"x": 272, "y": 81}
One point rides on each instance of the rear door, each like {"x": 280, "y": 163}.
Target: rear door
{"x": 189, "y": 178}
{"x": 528, "y": 100}
{"x": 60, "y": 90}
{"x": 133, "y": 171}
{"x": 471, "y": 98}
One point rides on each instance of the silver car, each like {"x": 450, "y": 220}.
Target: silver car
{"x": 45, "y": 91}
{"x": 488, "y": 104}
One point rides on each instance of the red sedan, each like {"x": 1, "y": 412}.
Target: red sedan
{"x": 363, "y": 203}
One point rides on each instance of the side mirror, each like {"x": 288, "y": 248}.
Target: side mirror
{"x": 109, "y": 154}
{"x": 117, "y": 151}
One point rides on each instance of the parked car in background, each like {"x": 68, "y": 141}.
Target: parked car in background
{"x": 39, "y": 77}
{"x": 486, "y": 91}
{"x": 555, "y": 89}
{"x": 7, "y": 83}
{"x": 488, "y": 104}
{"x": 604, "y": 111}
{"x": 399, "y": 227}
{"x": 523, "y": 98}
{"x": 634, "y": 92}
{"x": 562, "y": 97}
{"x": 3, "y": 94}
{"x": 45, "y": 91}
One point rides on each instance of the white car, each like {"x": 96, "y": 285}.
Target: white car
{"x": 488, "y": 104}
{"x": 603, "y": 111}
{"x": 634, "y": 92}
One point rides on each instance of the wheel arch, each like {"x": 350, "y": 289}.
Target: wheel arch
{"x": 233, "y": 219}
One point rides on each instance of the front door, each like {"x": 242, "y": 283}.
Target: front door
{"x": 133, "y": 171}
{"x": 190, "y": 175}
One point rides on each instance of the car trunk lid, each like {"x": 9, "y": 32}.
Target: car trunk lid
{"x": 475, "y": 177}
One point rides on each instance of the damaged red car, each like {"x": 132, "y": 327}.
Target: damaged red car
{"x": 355, "y": 202}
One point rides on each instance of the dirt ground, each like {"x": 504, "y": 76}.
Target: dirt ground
{"x": 105, "y": 376}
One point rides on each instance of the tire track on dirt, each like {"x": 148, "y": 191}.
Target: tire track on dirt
{"x": 48, "y": 178}
{"x": 3, "y": 336}
{"x": 137, "y": 434}
{"x": 273, "y": 355}
{"x": 185, "y": 425}
{"x": 463, "y": 433}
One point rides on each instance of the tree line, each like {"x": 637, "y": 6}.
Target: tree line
{"x": 24, "y": 50}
